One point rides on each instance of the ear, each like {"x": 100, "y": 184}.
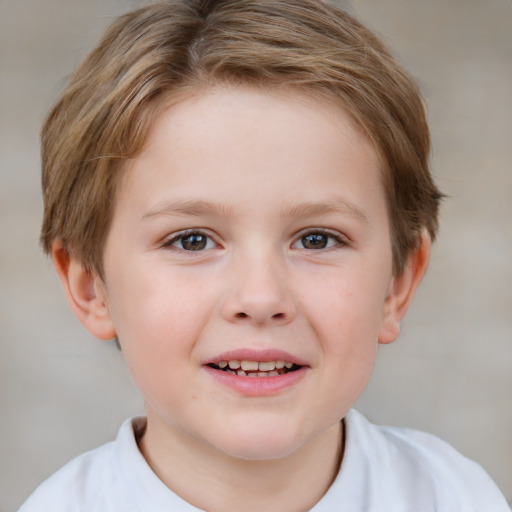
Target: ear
{"x": 85, "y": 293}
{"x": 402, "y": 289}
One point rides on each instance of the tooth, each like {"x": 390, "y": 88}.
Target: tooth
{"x": 222, "y": 364}
{"x": 241, "y": 373}
{"x": 252, "y": 374}
{"x": 261, "y": 374}
{"x": 249, "y": 365}
{"x": 234, "y": 364}
{"x": 273, "y": 374}
{"x": 279, "y": 364}
{"x": 266, "y": 366}
{"x": 288, "y": 365}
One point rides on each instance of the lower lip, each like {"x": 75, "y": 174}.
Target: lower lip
{"x": 257, "y": 386}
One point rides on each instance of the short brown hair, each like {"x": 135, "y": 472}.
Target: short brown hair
{"x": 147, "y": 56}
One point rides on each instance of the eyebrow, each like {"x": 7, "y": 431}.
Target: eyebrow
{"x": 197, "y": 208}
{"x": 334, "y": 206}
{"x": 189, "y": 207}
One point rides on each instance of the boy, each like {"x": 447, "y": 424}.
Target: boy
{"x": 238, "y": 191}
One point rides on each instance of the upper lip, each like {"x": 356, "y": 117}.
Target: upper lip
{"x": 260, "y": 355}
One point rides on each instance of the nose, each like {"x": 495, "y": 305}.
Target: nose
{"x": 259, "y": 294}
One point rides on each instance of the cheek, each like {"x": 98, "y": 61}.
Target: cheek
{"x": 154, "y": 298}
{"x": 345, "y": 306}
{"x": 158, "y": 318}
{"x": 158, "y": 335}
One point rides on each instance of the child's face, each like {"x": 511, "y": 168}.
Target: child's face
{"x": 253, "y": 227}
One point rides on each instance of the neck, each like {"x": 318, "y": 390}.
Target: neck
{"x": 294, "y": 482}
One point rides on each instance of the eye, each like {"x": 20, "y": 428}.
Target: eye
{"x": 318, "y": 240}
{"x": 191, "y": 241}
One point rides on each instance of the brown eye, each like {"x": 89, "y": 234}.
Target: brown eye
{"x": 193, "y": 242}
{"x": 318, "y": 240}
{"x": 315, "y": 241}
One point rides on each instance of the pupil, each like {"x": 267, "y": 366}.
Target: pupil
{"x": 314, "y": 241}
{"x": 193, "y": 242}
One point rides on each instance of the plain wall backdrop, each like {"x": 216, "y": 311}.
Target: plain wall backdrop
{"x": 450, "y": 373}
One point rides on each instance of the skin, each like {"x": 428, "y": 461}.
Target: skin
{"x": 255, "y": 172}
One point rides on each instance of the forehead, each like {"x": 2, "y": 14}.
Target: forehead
{"x": 229, "y": 143}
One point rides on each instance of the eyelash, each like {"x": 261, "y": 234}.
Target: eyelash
{"x": 170, "y": 243}
{"x": 339, "y": 239}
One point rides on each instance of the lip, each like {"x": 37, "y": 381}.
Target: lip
{"x": 257, "y": 386}
{"x": 257, "y": 355}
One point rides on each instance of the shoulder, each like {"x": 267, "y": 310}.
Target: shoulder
{"x": 67, "y": 489}
{"x": 112, "y": 478}
{"x": 87, "y": 482}
{"x": 421, "y": 468}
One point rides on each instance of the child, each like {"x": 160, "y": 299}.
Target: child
{"x": 238, "y": 192}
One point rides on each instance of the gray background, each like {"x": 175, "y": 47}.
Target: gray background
{"x": 62, "y": 393}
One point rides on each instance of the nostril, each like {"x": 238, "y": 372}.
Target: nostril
{"x": 278, "y": 316}
{"x": 241, "y": 315}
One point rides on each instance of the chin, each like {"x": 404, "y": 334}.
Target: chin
{"x": 259, "y": 442}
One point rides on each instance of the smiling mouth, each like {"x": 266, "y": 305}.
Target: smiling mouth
{"x": 246, "y": 368}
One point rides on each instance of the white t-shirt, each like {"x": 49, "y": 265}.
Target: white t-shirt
{"x": 384, "y": 469}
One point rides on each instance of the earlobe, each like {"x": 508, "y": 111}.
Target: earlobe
{"x": 402, "y": 289}
{"x": 85, "y": 293}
